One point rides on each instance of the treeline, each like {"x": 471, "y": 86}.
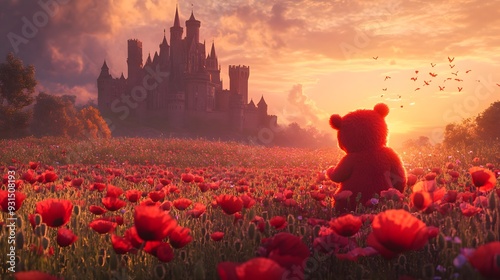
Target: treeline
{"x": 471, "y": 133}
{"x": 22, "y": 114}
{"x": 484, "y": 128}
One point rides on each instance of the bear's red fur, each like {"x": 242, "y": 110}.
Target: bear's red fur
{"x": 369, "y": 166}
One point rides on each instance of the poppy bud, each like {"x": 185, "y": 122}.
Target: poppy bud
{"x": 160, "y": 271}
{"x": 43, "y": 229}
{"x": 19, "y": 241}
{"x": 45, "y": 243}
{"x": 237, "y": 245}
{"x": 101, "y": 260}
{"x": 76, "y": 210}
{"x": 38, "y": 219}
{"x": 492, "y": 202}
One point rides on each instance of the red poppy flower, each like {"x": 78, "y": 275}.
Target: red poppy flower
{"x": 163, "y": 251}
{"x": 217, "y": 236}
{"x": 421, "y": 200}
{"x": 34, "y": 274}
{"x": 98, "y": 187}
{"x": 248, "y": 201}
{"x": 133, "y": 195}
{"x": 180, "y": 237}
{"x": 483, "y": 178}
{"x": 486, "y": 259}
{"x": 112, "y": 203}
{"x": 278, "y": 222}
{"x": 121, "y": 245}
{"x": 156, "y": 195}
{"x": 50, "y": 177}
{"x": 102, "y": 226}
{"x": 54, "y": 212}
{"x": 468, "y": 209}
{"x": 29, "y": 176}
{"x": 187, "y": 177}
{"x": 197, "y": 210}
{"x": 132, "y": 236}
{"x": 397, "y": 231}
{"x": 65, "y": 237}
{"x": 230, "y": 204}
{"x": 256, "y": 268}
{"x": 357, "y": 252}
{"x": 113, "y": 191}
{"x": 286, "y": 249}
{"x": 97, "y": 210}
{"x": 450, "y": 196}
{"x": 33, "y": 165}
{"x": 347, "y": 225}
{"x": 182, "y": 203}
{"x": 11, "y": 201}
{"x": 152, "y": 223}
{"x": 77, "y": 182}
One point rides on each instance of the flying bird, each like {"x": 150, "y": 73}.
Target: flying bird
{"x": 416, "y": 71}
{"x": 387, "y": 77}
{"x": 467, "y": 71}
{"x": 455, "y": 73}
{"x": 426, "y": 83}
{"x": 460, "y": 89}
{"x": 498, "y": 85}
{"x": 433, "y": 64}
{"x": 450, "y": 59}
{"x": 417, "y": 89}
{"x": 375, "y": 57}
{"x": 451, "y": 66}
{"x": 459, "y": 80}
{"x": 441, "y": 88}
{"x": 414, "y": 78}
{"x": 384, "y": 89}
{"x": 433, "y": 74}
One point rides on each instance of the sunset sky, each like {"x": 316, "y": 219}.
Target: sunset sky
{"x": 309, "y": 58}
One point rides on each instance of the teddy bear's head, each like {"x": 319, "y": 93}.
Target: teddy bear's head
{"x": 361, "y": 130}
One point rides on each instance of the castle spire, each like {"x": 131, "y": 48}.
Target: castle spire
{"x": 262, "y": 102}
{"x": 212, "y": 51}
{"x": 104, "y": 66}
{"x": 177, "y": 22}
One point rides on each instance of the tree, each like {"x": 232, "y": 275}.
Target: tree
{"x": 488, "y": 122}
{"x": 460, "y": 134}
{"x": 17, "y": 85}
{"x": 94, "y": 125}
{"x": 56, "y": 116}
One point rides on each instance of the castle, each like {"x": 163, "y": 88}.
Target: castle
{"x": 181, "y": 87}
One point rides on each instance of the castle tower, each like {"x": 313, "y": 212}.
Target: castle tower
{"x": 176, "y": 51}
{"x": 164, "y": 53}
{"x": 192, "y": 30}
{"x": 262, "y": 106}
{"x": 134, "y": 61}
{"x": 238, "y": 81}
{"x": 176, "y": 30}
{"x": 104, "y": 87}
{"x": 212, "y": 66}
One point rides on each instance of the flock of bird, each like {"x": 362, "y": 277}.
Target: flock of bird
{"x": 432, "y": 76}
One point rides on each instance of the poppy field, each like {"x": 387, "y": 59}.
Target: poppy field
{"x": 130, "y": 208}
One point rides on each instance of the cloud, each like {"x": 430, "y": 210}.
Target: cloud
{"x": 305, "y": 111}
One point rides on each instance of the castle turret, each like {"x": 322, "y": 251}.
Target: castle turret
{"x": 193, "y": 30}
{"x": 104, "y": 86}
{"x": 134, "y": 61}
{"x": 176, "y": 30}
{"x": 164, "y": 52}
{"x": 212, "y": 66}
{"x": 238, "y": 81}
{"x": 262, "y": 106}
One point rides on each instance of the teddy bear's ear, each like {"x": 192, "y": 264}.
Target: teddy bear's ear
{"x": 381, "y": 109}
{"x": 335, "y": 121}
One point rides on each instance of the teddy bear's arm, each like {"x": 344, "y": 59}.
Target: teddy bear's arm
{"x": 398, "y": 173}
{"x": 342, "y": 171}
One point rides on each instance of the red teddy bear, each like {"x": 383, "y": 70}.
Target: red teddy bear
{"x": 369, "y": 166}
